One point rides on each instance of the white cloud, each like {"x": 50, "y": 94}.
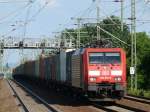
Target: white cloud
{"x": 51, "y": 3}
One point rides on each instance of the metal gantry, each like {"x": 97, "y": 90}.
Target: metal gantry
{"x": 32, "y": 43}
{"x": 35, "y": 43}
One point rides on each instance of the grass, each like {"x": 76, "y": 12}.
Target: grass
{"x": 139, "y": 92}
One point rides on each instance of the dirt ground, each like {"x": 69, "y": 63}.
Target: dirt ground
{"x": 7, "y": 101}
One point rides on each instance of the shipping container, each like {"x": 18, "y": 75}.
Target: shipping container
{"x": 47, "y": 68}
{"x": 57, "y": 65}
{"x": 41, "y": 68}
{"x": 33, "y": 69}
{"x": 68, "y": 67}
{"x": 52, "y": 68}
{"x": 60, "y": 67}
{"x": 62, "y": 58}
{"x": 37, "y": 68}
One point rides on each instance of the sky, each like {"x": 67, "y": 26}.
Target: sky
{"x": 36, "y": 18}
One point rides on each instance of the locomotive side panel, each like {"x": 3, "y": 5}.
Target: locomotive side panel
{"x": 76, "y": 71}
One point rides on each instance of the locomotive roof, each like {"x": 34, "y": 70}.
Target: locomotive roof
{"x": 82, "y": 50}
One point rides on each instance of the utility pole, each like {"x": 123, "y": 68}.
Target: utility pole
{"x": 78, "y": 40}
{"x": 78, "y": 34}
{"x": 133, "y": 47}
{"x": 1, "y": 55}
{"x": 25, "y": 30}
{"x": 122, "y": 12}
{"x": 122, "y": 5}
{"x": 98, "y": 19}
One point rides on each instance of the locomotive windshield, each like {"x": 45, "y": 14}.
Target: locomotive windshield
{"x": 104, "y": 58}
{"x": 96, "y": 58}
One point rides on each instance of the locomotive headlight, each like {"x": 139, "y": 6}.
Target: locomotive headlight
{"x": 116, "y": 72}
{"x": 94, "y": 73}
{"x": 117, "y": 78}
{"x": 92, "y": 79}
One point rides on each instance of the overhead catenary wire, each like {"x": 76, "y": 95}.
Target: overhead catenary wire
{"x": 18, "y": 11}
{"x": 38, "y": 12}
{"x": 113, "y": 36}
{"x": 13, "y": 21}
{"x": 29, "y": 20}
{"x": 17, "y": 1}
{"x": 26, "y": 20}
{"x": 13, "y": 12}
{"x": 125, "y": 7}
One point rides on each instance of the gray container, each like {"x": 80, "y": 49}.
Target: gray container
{"x": 62, "y": 66}
{"x": 47, "y": 68}
{"x": 68, "y": 67}
{"x": 57, "y": 67}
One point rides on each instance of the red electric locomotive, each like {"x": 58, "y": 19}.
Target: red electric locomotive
{"x": 100, "y": 72}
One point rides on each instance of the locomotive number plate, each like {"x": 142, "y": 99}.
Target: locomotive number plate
{"x": 105, "y": 78}
{"x": 105, "y": 73}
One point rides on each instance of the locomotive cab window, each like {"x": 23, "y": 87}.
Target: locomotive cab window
{"x": 113, "y": 58}
{"x": 96, "y": 58}
{"x": 104, "y": 58}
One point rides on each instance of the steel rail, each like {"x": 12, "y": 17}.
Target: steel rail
{"x": 50, "y": 107}
{"x": 17, "y": 96}
{"x": 138, "y": 99}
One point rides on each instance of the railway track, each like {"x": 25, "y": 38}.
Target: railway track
{"x": 138, "y": 96}
{"x": 122, "y": 107}
{"x": 138, "y": 99}
{"x": 113, "y": 107}
{"x": 50, "y": 108}
{"x": 105, "y": 108}
{"x": 20, "y": 103}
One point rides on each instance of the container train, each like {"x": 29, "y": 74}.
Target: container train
{"x": 94, "y": 72}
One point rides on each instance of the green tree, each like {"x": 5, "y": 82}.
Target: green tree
{"x": 143, "y": 60}
{"x": 145, "y": 70}
{"x": 111, "y": 24}
{"x": 143, "y": 46}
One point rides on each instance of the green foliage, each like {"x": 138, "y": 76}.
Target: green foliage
{"x": 143, "y": 60}
{"x": 112, "y": 24}
{"x": 135, "y": 92}
{"x": 143, "y": 51}
{"x": 139, "y": 92}
{"x": 143, "y": 45}
{"x": 145, "y": 69}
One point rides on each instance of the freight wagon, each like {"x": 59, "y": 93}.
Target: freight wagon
{"x": 95, "y": 72}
